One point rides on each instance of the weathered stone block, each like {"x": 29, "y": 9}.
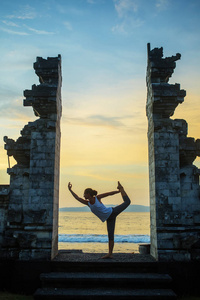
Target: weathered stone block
{"x": 32, "y": 216}
{"x": 26, "y": 240}
{"x": 38, "y": 156}
{"x": 44, "y": 244}
{"x": 172, "y": 218}
{"x": 174, "y": 200}
{"x": 35, "y": 254}
{"x": 9, "y": 242}
{"x": 197, "y": 218}
{"x": 45, "y": 192}
{"x": 15, "y": 213}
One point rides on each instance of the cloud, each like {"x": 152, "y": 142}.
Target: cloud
{"x": 25, "y": 12}
{"x": 127, "y": 12}
{"x": 9, "y": 23}
{"x": 127, "y": 123}
{"x": 10, "y": 31}
{"x": 13, "y": 110}
{"x": 7, "y": 92}
{"x": 72, "y": 10}
{"x": 68, "y": 25}
{"x": 37, "y": 31}
{"x": 127, "y": 26}
{"x": 119, "y": 28}
{"x": 61, "y": 9}
{"x": 13, "y": 31}
{"x": 97, "y": 120}
{"x": 162, "y": 4}
{"x": 124, "y": 7}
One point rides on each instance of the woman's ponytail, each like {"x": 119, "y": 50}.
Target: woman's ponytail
{"x": 94, "y": 192}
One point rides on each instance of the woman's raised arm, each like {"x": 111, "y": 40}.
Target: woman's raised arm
{"x": 76, "y": 196}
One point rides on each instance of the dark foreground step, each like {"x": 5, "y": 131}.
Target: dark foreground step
{"x": 105, "y": 293}
{"x": 77, "y": 279}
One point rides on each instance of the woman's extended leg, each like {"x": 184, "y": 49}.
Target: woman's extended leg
{"x": 118, "y": 209}
{"x": 111, "y": 220}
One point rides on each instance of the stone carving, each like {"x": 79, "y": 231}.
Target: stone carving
{"x": 20, "y": 149}
{"x": 174, "y": 180}
{"x": 30, "y": 229}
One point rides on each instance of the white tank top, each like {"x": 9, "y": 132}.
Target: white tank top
{"x": 100, "y": 210}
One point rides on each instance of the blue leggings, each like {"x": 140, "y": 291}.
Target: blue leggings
{"x": 116, "y": 211}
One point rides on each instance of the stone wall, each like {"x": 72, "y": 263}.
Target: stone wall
{"x": 173, "y": 179}
{"x": 4, "y": 200}
{"x": 31, "y": 228}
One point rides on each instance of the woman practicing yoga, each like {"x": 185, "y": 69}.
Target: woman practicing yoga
{"x": 104, "y": 213}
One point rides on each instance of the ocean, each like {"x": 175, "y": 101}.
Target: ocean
{"x": 84, "y": 231}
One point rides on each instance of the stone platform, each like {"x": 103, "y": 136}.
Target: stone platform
{"x": 79, "y": 256}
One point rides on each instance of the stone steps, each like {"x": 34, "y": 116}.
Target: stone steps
{"x": 104, "y": 285}
{"x": 105, "y": 293}
{"x": 74, "y": 279}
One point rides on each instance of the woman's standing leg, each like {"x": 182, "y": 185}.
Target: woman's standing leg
{"x": 110, "y": 228}
{"x": 111, "y": 220}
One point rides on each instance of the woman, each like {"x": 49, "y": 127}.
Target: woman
{"x": 104, "y": 213}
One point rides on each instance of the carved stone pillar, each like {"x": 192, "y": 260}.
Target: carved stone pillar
{"x": 173, "y": 179}
{"x": 32, "y": 218}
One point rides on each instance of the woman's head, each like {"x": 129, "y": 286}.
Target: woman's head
{"x": 89, "y": 192}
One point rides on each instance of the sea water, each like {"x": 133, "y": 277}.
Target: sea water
{"x": 84, "y": 231}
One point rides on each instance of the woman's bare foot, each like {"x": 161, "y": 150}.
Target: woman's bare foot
{"x": 119, "y": 187}
{"x": 107, "y": 256}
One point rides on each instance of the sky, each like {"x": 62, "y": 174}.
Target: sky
{"x": 103, "y": 44}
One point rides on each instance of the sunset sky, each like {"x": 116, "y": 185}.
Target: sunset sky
{"x": 103, "y": 44}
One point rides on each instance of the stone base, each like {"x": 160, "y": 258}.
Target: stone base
{"x": 144, "y": 248}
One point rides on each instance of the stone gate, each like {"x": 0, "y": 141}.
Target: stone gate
{"x": 29, "y": 206}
